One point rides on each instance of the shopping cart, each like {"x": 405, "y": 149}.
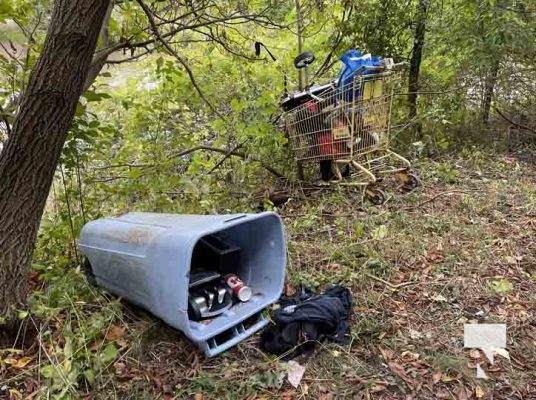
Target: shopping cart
{"x": 347, "y": 124}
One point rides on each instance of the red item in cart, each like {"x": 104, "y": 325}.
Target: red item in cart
{"x": 326, "y": 144}
{"x": 332, "y": 143}
{"x": 238, "y": 288}
{"x": 311, "y": 106}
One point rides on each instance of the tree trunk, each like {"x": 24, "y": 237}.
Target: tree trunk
{"x": 416, "y": 58}
{"x": 489, "y": 88}
{"x": 31, "y": 153}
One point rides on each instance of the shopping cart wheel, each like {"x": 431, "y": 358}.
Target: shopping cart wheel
{"x": 412, "y": 182}
{"x": 409, "y": 181}
{"x": 376, "y": 196}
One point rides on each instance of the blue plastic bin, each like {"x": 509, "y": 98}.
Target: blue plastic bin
{"x": 146, "y": 257}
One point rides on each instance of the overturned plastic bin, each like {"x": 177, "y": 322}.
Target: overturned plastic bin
{"x": 146, "y": 258}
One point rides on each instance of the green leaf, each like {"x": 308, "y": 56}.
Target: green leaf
{"x": 48, "y": 371}
{"x": 159, "y": 63}
{"x": 89, "y": 374}
{"x": 109, "y": 354}
{"x": 68, "y": 348}
{"x": 93, "y": 96}
{"x": 380, "y": 232}
{"x": 502, "y": 286}
{"x": 23, "y": 314}
{"x": 80, "y": 109}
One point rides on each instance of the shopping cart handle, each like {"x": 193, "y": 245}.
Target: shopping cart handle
{"x": 400, "y": 64}
{"x": 314, "y": 97}
{"x": 372, "y": 67}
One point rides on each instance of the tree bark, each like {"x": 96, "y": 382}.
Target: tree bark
{"x": 32, "y": 151}
{"x": 416, "y": 58}
{"x": 489, "y": 89}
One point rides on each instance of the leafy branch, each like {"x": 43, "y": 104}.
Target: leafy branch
{"x": 166, "y": 45}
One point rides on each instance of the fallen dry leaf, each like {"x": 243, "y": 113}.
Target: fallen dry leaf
{"x": 377, "y": 388}
{"x": 288, "y": 395}
{"x": 443, "y": 394}
{"x": 22, "y": 362}
{"x": 334, "y": 267}
{"x": 434, "y": 255}
{"x": 326, "y": 396}
{"x": 116, "y": 333}
{"x": 474, "y": 353}
{"x": 95, "y": 346}
{"x": 401, "y": 373}
{"x": 479, "y": 392}
{"x": 462, "y": 394}
{"x": 289, "y": 290}
{"x": 387, "y": 354}
{"x": 436, "y": 377}
{"x": 14, "y": 394}
{"x": 439, "y": 298}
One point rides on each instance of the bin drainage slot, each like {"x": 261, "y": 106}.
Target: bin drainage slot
{"x": 225, "y": 336}
{"x": 235, "y": 331}
{"x": 212, "y": 343}
{"x": 254, "y": 319}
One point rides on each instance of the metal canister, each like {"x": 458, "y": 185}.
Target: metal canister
{"x": 238, "y": 287}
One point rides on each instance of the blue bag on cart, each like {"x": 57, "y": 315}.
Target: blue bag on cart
{"x": 355, "y": 63}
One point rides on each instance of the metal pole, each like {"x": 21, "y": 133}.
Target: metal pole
{"x": 299, "y": 23}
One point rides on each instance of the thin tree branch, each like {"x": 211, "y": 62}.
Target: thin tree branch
{"x": 156, "y": 32}
{"x": 123, "y": 166}
{"x": 211, "y": 36}
{"x": 527, "y": 128}
{"x": 134, "y": 57}
{"x": 449, "y": 192}
{"x": 229, "y": 153}
{"x": 234, "y": 153}
{"x": 11, "y": 55}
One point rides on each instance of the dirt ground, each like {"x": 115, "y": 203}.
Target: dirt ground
{"x": 458, "y": 250}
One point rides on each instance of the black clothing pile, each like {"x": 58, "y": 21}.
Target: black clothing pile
{"x": 306, "y": 319}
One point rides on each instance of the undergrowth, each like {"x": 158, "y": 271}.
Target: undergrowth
{"x": 457, "y": 250}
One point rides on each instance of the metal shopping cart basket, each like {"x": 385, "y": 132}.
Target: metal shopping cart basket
{"x": 349, "y": 125}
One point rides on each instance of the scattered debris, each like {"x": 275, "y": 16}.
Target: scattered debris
{"x": 295, "y": 373}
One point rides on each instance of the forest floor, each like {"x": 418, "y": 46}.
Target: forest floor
{"x": 460, "y": 249}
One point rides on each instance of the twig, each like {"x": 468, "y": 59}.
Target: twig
{"x": 439, "y": 195}
{"x": 110, "y": 179}
{"x": 527, "y": 128}
{"x": 338, "y": 40}
{"x": 225, "y": 157}
{"x": 233, "y": 153}
{"x": 155, "y": 30}
{"x": 391, "y": 285}
{"x": 123, "y": 165}
{"x": 420, "y": 92}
